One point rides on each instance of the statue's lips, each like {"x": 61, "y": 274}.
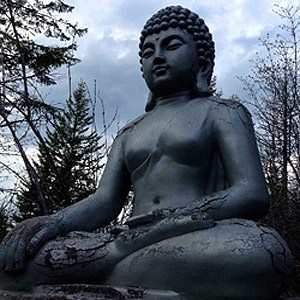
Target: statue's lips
{"x": 159, "y": 70}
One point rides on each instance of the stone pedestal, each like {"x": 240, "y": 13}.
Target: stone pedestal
{"x": 96, "y": 292}
{"x": 90, "y": 292}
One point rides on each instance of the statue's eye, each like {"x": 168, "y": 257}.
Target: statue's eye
{"x": 147, "y": 52}
{"x": 173, "y": 45}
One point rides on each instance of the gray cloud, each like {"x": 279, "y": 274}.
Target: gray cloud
{"x": 109, "y": 51}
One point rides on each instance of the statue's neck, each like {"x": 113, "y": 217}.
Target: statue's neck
{"x": 177, "y": 97}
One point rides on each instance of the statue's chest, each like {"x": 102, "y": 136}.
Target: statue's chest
{"x": 181, "y": 136}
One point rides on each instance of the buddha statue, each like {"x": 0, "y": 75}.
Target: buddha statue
{"x": 193, "y": 163}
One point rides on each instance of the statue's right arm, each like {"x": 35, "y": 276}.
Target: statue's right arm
{"x": 91, "y": 213}
{"x": 105, "y": 205}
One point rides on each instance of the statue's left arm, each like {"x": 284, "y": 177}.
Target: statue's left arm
{"x": 246, "y": 197}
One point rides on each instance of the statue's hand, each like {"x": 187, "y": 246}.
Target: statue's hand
{"x": 169, "y": 225}
{"x": 161, "y": 214}
{"x": 25, "y": 240}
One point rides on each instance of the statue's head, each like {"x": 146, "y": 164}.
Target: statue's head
{"x": 178, "y": 25}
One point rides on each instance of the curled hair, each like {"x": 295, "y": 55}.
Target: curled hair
{"x": 179, "y": 17}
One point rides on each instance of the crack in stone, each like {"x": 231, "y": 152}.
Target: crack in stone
{"x": 284, "y": 265}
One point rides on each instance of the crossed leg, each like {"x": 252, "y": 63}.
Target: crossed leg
{"x": 82, "y": 257}
{"x": 234, "y": 259}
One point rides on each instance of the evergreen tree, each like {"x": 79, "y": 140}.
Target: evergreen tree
{"x": 213, "y": 87}
{"x": 23, "y": 59}
{"x": 76, "y": 151}
{"x": 35, "y": 40}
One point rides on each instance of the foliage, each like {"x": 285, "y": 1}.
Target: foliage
{"x": 34, "y": 42}
{"x": 273, "y": 87}
{"x": 213, "y": 87}
{"x": 22, "y": 56}
{"x": 74, "y": 147}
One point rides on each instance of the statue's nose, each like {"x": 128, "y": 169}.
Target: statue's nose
{"x": 159, "y": 58}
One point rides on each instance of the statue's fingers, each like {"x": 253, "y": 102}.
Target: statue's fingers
{"x": 2, "y": 257}
{"x": 192, "y": 222}
{"x": 203, "y": 220}
{"x": 15, "y": 251}
{"x": 7, "y": 238}
{"x": 8, "y": 252}
{"x": 20, "y": 259}
{"x": 37, "y": 241}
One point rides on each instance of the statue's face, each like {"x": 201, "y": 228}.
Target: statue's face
{"x": 169, "y": 61}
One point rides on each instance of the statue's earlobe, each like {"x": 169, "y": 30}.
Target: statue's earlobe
{"x": 151, "y": 102}
{"x": 202, "y": 87}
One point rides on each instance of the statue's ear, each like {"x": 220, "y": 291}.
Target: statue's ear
{"x": 151, "y": 102}
{"x": 202, "y": 77}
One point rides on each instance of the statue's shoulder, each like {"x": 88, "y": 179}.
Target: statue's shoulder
{"x": 226, "y": 106}
{"x": 129, "y": 126}
{"x": 227, "y": 114}
{"x": 231, "y": 104}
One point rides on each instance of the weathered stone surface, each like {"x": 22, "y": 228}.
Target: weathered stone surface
{"x": 199, "y": 189}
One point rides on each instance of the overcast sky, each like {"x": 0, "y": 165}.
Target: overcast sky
{"x": 109, "y": 51}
